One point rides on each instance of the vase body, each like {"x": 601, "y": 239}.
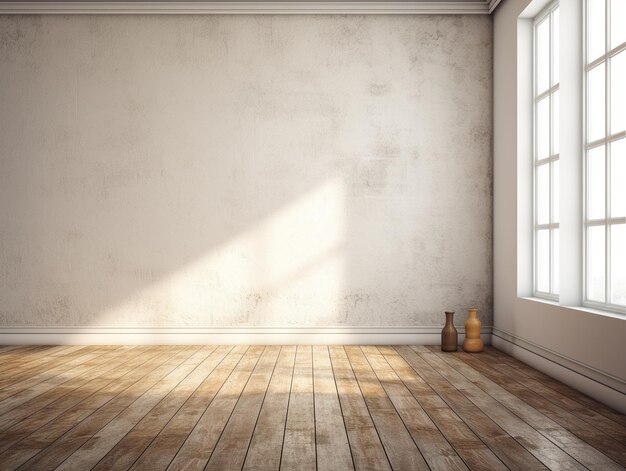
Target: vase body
{"x": 449, "y": 334}
{"x": 472, "y": 342}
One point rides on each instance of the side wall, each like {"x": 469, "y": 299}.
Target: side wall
{"x": 583, "y": 349}
{"x": 188, "y": 172}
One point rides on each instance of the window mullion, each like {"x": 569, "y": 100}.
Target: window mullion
{"x": 616, "y": 50}
{"x": 606, "y": 140}
{"x": 602, "y": 222}
{"x": 545, "y": 93}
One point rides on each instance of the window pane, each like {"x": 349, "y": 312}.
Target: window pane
{"x": 543, "y": 128}
{"x": 618, "y": 179}
{"x": 618, "y": 264}
{"x": 618, "y": 91}
{"x": 543, "y": 261}
{"x": 595, "y": 103}
{"x": 543, "y": 55}
{"x": 543, "y": 194}
{"x": 595, "y": 263}
{"x": 555, "y": 191}
{"x": 595, "y": 29}
{"x": 595, "y": 183}
{"x": 555, "y": 263}
{"x": 555, "y": 123}
{"x": 555, "y": 46}
{"x": 618, "y": 20}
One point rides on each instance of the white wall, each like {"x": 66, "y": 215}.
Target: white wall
{"x": 584, "y": 349}
{"x": 206, "y": 171}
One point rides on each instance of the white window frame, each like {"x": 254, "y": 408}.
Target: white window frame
{"x": 607, "y": 221}
{"x": 545, "y": 15}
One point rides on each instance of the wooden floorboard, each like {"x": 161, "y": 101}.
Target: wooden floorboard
{"x": 436, "y": 450}
{"x": 231, "y": 449}
{"x": 599, "y": 439}
{"x": 504, "y": 446}
{"x": 465, "y": 442}
{"x": 307, "y": 407}
{"x": 331, "y": 440}
{"x": 73, "y": 404}
{"x": 140, "y": 415}
{"x": 54, "y": 400}
{"x": 50, "y": 445}
{"x": 266, "y": 446}
{"x": 536, "y": 443}
{"x": 579, "y": 450}
{"x": 595, "y": 413}
{"x": 166, "y": 444}
{"x": 299, "y": 442}
{"x": 399, "y": 445}
{"x": 203, "y": 439}
{"x": 365, "y": 443}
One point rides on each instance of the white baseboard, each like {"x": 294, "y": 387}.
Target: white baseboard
{"x": 227, "y": 336}
{"x": 601, "y": 386}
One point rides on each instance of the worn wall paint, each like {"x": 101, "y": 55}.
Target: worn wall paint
{"x": 244, "y": 170}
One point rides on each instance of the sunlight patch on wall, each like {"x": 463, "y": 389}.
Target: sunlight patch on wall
{"x": 286, "y": 270}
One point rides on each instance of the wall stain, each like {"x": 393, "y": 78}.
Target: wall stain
{"x": 379, "y": 89}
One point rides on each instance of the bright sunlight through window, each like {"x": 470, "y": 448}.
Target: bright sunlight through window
{"x": 546, "y": 153}
{"x": 605, "y": 155}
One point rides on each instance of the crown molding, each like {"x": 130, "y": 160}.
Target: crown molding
{"x": 493, "y": 4}
{"x": 479, "y": 7}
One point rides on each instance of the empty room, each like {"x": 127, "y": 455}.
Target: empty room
{"x": 313, "y": 235}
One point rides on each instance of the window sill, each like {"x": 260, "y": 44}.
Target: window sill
{"x": 585, "y": 309}
{"x": 600, "y": 312}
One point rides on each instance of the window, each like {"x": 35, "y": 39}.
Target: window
{"x": 578, "y": 242}
{"x": 546, "y": 153}
{"x": 605, "y": 155}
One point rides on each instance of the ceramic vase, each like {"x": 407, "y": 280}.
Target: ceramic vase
{"x": 472, "y": 342}
{"x": 449, "y": 334}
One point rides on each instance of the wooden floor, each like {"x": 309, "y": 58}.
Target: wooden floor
{"x": 265, "y": 408}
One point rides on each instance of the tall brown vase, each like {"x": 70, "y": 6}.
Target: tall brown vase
{"x": 472, "y": 342}
{"x": 449, "y": 334}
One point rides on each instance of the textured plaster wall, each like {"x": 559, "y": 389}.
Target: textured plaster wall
{"x": 239, "y": 170}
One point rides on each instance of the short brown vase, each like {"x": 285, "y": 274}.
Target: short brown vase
{"x": 449, "y": 334}
{"x": 472, "y": 342}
